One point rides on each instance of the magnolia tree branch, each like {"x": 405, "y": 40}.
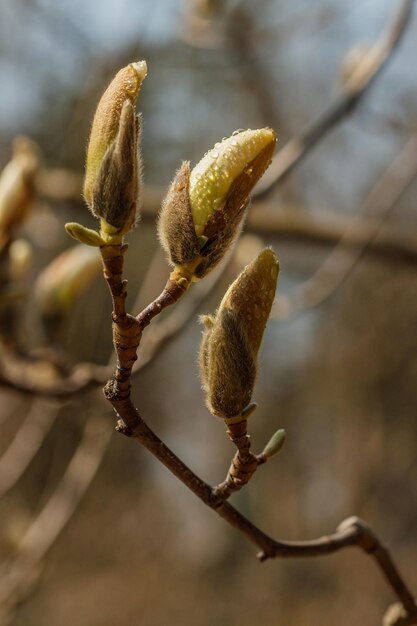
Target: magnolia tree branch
{"x": 352, "y": 532}
{"x": 338, "y": 265}
{"x": 19, "y": 573}
{"x": 354, "y": 89}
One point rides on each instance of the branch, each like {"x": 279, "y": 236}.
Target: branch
{"x": 126, "y": 337}
{"x": 26, "y": 442}
{"x": 20, "y": 573}
{"x": 354, "y": 89}
{"x": 339, "y": 264}
{"x": 352, "y": 532}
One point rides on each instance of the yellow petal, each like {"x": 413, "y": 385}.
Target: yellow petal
{"x": 213, "y": 176}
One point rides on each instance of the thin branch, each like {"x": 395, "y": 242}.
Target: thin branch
{"x": 352, "y": 532}
{"x": 339, "y": 264}
{"x": 316, "y": 225}
{"x": 26, "y": 442}
{"x": 126, "y": 338}
{"x": 21, "y": 572}
{"x": 354, "y": 89}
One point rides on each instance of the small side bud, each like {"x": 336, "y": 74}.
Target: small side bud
{"x": 395, "y": 615}
{"x": 231, "y": 340}
{"x": 204, "y": 209}
{"x": 65, "y": 278}
{"x": 111, "y": 186}
{"x": 84, "y": 235}
{"x": 275, "y": 444}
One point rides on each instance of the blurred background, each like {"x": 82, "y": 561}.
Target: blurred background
{"x": 92, "y": 527}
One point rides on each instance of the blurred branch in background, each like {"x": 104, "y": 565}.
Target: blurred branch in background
{"x": 52, "y": 373}
{"x": 19, "y": 574}
{"x": 26, "y": 442}
{"x": 380, "y": 202}
{"x": 356, "y": 84}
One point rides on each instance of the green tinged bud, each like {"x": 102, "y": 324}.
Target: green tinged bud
{"x": 275, "y": 444}
{"x": 111, "y": 185}
{"x": 212, "y": 178}
{"x": 65, "y": 278}
{"x": 232, "y": 337}
{"x": 84, "y": 235}
{"x": 204, "y": 208}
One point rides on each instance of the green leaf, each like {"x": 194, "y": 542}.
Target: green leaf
{"x": 84, "y": 235}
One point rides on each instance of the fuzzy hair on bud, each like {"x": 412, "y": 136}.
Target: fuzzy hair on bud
{"x": 111, "y": 185}
{"x": 231, "y": 340}
{"x": 203, "y": 212}
{"x": 175, "y": 225}
{"x": 116, "y": 188}
{"x": 124, "y": 86}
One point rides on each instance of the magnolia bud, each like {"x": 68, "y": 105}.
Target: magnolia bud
{"x": 16, "y": 186}
{"x": 65, "y": 278}
{"x": 113, "y": 166}
{"x": 231, "y": 340}
{"x": 204, "y": 208}
{"x": 395, "y": 615}
{"x": 275, "y": 444}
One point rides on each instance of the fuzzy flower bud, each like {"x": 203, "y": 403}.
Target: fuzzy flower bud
{"x": 65, "y": 278}
{"x": 204, "y": 208}
{"x": 113, "y": 167}
{"x": 16, "y": 187}
{"x": 231, "y": 340}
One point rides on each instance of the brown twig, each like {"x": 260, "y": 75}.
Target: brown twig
{"x": 354, "y": 89}
{"x": 353, "y": 532}
{"x": 244, "y": 464}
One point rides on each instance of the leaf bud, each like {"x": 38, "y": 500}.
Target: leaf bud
{"x": 84, "y": 235}
{"x": 204, "y": 209}
{"x": 232, "y": 337}
{"x": 275, "y": 444}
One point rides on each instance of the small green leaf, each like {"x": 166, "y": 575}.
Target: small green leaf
{"x": 84, "y": 235}
{"x": 275, "y": 444}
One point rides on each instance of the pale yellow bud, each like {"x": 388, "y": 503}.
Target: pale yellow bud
{"x": 203, "y": 211}
{"x": 16, "y": 186}
{"x": 65, "y": 278}
{"x": 124, "y": 87}
{"x": 213, "y": 177}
